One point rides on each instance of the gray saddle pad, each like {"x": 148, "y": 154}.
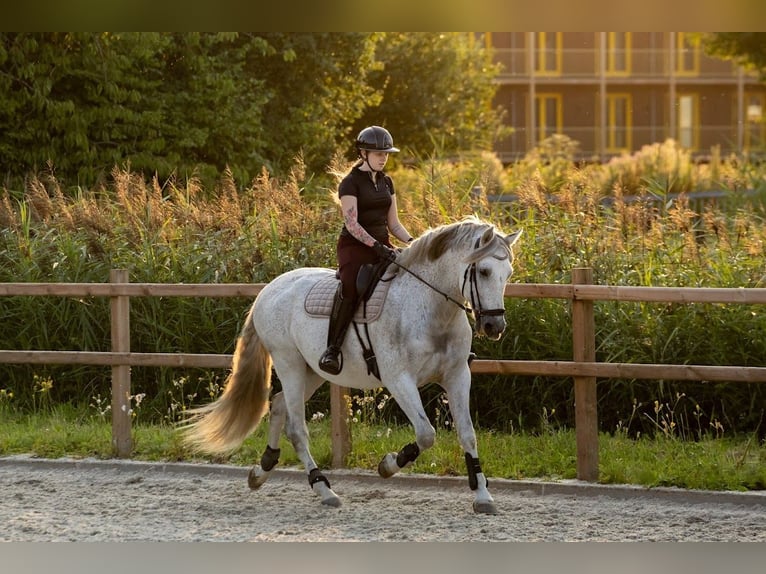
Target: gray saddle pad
{"x": 319, "y": 299}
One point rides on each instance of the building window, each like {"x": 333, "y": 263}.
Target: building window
{"x": 548, "y": 115}
{"x": 687, "y": 120}
{"x": 619, "y": 120}
{"x": 687, "y": 55}
{"x": 618, "y": 53}
{"x": 754, "y": 120}
{"x": 548, "y": 53}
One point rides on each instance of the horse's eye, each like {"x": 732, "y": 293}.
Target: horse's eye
{"x": 484, "y": 272}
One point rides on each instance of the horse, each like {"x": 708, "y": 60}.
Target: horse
{"x": 422, "y": 336}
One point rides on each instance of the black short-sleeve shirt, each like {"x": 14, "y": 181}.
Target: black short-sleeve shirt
{"x": 373, "y": 201}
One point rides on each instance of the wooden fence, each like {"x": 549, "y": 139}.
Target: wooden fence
{"x": 583, "y": 367}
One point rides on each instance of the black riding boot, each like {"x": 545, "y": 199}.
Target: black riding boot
{"x": 331, "y": 360}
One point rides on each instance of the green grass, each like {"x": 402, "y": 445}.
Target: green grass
{"x": 709, "y": 464}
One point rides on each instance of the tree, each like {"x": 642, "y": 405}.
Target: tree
{"x": 212, "y": 108}
{"x": 184, "y": 103}
{"x": 318, "y": 87}
{"x": 747, "y": 49}
{"x": 74, "y": 100}
{"x": 80, "y": 103}
{"x": 436, "y": 92}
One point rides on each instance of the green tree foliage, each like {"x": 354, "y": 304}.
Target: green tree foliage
{"x": 212, "y": 109}
{"x": 436, "y": 92}
{"x": 79, "y": 100}
{"x": 318, "y": 87}
{"x": 195, "y": 104}
{"x": 85, "y": 102}
{"x": 746, "y": 48}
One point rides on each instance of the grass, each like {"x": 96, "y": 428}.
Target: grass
{"x": 708, "y": 464}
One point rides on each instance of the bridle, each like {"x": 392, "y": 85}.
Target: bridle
{"x": 469, "y": 276}
{"x": 478, "y": 312}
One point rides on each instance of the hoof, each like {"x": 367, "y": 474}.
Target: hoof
{"x": 388, "y": 467}
{"x": 256, "y": 477}
{"x": 334, "y": 502}
{"x": 326, "y": 495}
{"x": 484, "y": 507}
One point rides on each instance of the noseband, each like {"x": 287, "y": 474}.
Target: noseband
{"x": 470, "y": 277}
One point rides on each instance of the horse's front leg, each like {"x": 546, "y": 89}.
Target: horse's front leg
{"x": 408, "y": 398}
{"x": 458, "y": 389}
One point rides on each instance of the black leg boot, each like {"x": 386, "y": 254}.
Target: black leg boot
{"x": 342, "y": 312}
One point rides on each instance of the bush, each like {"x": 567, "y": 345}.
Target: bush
{"x": 168, "y": 233}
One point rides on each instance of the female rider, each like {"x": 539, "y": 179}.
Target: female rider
{"x": 368, "y": 204}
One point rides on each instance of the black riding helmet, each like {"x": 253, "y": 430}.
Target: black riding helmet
{"x": 375, "y": 138}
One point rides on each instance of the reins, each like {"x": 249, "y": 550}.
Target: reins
{"x": 468, "y": 275}
{"x": 439, "y": 291}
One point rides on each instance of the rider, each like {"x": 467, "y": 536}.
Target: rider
{"x": 369, "y": 212}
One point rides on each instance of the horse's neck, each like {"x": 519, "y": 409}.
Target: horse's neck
{"x": 442, "y": 279}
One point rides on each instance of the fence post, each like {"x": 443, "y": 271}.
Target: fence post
{"x": 584, "y": 349}
{"x": 122, "y": 443}
{"x": 341, "y": 436}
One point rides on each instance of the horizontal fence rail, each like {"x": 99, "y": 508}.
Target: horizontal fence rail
{"x": 583, "y": 368}
{"x": 754, "y": 295}
{"x": 133, "y": 289}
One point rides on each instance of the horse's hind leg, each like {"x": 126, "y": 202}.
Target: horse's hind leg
{"x": 277, "y": 418}
{"x": 260, "y": 472}
{"x": 298, "y": 383}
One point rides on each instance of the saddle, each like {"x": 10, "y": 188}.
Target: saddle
{"x": 372, "y": 285}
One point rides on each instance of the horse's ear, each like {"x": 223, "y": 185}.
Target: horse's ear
{"x": 487, "y": 236}
{"x": 512, "y": 238}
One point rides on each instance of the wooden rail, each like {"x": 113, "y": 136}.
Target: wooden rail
{"x": 583, "y": 368}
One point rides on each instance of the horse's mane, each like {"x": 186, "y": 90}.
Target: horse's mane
{"x": 434, "y": 242}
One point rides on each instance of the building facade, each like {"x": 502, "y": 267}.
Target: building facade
{"x": 614, "y": 92}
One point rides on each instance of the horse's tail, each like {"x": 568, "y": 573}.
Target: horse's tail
{"x": 221, "y": 426}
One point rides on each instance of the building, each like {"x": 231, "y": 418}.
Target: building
{"x": 615, "y": 92}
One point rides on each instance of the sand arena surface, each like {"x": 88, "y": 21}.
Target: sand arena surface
{"x": 90, "y": 500}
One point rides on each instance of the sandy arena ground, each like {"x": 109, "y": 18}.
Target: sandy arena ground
{"x": 90, "y": 500}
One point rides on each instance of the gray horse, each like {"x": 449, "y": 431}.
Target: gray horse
{"x": 423, "y": 335}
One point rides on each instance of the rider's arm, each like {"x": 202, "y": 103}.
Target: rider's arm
{"x": 395, "y": 226}
{"x": 348, "y": 206}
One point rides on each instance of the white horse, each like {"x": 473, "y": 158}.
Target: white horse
{"x": 423, "y": 335}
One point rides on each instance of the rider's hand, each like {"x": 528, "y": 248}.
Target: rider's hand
{"x": 384, "y": 251}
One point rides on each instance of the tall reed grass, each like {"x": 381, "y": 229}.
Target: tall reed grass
{"x": 623, "y": 219}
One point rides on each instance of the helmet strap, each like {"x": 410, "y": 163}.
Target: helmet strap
{"x": 365, "y": 159}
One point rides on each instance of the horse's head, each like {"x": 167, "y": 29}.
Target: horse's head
{"x": 490, "y": 267}
{"x": 484, "y": 257}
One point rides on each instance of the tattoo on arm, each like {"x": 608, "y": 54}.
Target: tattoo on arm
{"x": 356, "y": 230}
